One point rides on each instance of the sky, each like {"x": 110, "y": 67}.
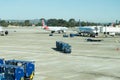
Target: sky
{"x": 85, "y": 10}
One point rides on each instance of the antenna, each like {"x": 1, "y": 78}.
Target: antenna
{"x": 79, "y": 23}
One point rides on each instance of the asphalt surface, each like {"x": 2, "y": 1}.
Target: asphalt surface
{"x": 88, "y": 60}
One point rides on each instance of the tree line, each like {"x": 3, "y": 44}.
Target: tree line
{"x": 50, "y": 22}
{"x": 6, "y": 23}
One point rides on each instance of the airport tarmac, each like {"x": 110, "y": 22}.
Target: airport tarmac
{"x": 88, "y": 60}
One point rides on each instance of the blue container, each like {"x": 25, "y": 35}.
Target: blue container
{"x": 72, "y": 35}
{"x": 65, "y": 35}
{"x": 64, "y": 47}
{"x": 12, "y": 72}
{"x": 1, "y": 61}
{"x": 28, "y": 66}
{"x": 2, "y": 77}
{"x": 67, "y": 50}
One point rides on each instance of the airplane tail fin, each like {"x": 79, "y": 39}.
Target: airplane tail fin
{"x": 44, "y": 26}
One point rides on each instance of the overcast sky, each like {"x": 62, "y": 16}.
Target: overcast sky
{"x": 86, "y": 10}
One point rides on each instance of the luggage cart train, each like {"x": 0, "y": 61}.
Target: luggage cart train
{"x": 63, "y": 47}
{"x": 16, "y": 70}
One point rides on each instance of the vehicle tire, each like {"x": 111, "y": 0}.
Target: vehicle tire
{"x": 6, "y": 32}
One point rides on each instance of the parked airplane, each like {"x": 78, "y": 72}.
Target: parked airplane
{"x": 53, "y": 29}
{"x": 95, "y": 30}
{"x": 88, "y": 30}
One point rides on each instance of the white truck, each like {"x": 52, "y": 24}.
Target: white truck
{"x": 3, "y": 32}
{"x": 110, "y": 30}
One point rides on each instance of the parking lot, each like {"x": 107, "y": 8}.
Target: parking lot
{"x": 88, "y": 60}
